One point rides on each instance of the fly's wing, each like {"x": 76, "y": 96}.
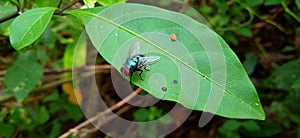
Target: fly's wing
{"x": 147, "y": 61}
{"x": 134, "y": 50}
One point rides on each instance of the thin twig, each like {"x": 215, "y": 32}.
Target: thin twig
{"x": 59, "y": 4}
{"x": 13, "y": 15}
{"x": 97, "y": 116}
{"x": 66, "y": 7}
{"x": 69, "y": 5}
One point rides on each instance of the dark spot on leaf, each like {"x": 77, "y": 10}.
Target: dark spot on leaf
{"x": 175, "y": 81}
{"x": 164, "y": 89}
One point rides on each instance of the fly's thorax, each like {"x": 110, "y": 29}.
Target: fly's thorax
{"x": 131, "y": 63}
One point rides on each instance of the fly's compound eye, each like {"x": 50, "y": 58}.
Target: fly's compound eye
{"x": 125, "y": 71}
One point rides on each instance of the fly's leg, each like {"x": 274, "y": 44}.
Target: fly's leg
{"x": 140, "y": 74}
{"x": 145, "y": 68}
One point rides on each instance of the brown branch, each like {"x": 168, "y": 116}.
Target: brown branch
{"x": 59, "y": 3}
{"x": 106, "y": 120}
{"x": 100, "y": 115}
{"x": 66, "y": 7}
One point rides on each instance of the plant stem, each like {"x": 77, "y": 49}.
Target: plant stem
{"x": 65, "y": 7}
{"x": 263, "y": 18}
{"x": 287, "y": 10}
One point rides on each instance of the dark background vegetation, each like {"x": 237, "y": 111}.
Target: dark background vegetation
{"x": 265, "y": 34}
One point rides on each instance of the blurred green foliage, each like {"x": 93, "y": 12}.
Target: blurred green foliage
{"x": 233, "y": 20}
{"x": 145, "y": 115}
{"x": 45, "y": 118}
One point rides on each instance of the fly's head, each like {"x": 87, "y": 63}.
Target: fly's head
{"x": 125, "y": 71}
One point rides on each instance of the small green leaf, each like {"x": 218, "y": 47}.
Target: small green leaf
{"x": 55, "y": 130}
{"x": 289, "y": 48}
{"x": 52, "y": 97}
{"x": 7, "y": 130}
{"x": 27, "y": 27}
{"x": 224, "y": 20}
{"x": 19, "y": 115}
{"x": 272, "y": 2}
{"x": 221, "y": 4}
{"x": 245, "y": 31}
{"x": 7, "y": 10}
{"x": 89, "y": 3}
{"x": 4, "y": 12}
{"x": 250, "y": 62}
{"x": 229, "y": 128}
{"x": 46, "y": 3}
{"x": 286, "y": 75}
{"x": 251, "y": 125}
{"x": 110, "y": 2}
{"x": 205, "y": 9}
{"x": 232, "y": 125}
{"x": 253, "y": 3}
{"x": 39, "y": 114}
{"x": 3, "y": 114}
{"x": 23, "y": 76}
{"x": 231, "y": 38}
{"x": 141, "y": 115}
{"x": 296, "y": 84}
{"x": 298, "y": 3}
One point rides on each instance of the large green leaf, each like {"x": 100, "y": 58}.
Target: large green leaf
{"x": 198, "y": 70}
{"x": 23, "y": 76}
{"x": 28, "y": 27}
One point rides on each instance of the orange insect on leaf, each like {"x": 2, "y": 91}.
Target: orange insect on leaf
{"x": 173, "y": 37}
